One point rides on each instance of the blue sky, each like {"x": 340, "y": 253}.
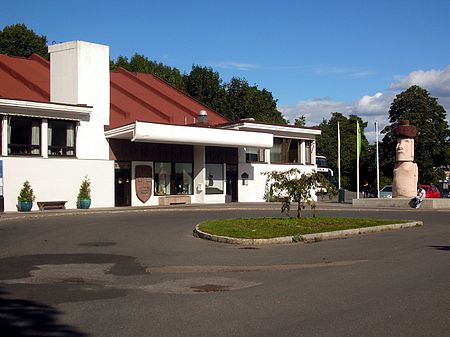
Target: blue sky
{"x": 316, "y": 57}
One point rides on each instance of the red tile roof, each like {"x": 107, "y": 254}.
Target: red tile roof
{"x": 25, "y": 78}
{"x": 134, "y": 96}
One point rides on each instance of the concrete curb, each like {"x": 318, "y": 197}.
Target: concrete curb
{"x": 306, "y": 238}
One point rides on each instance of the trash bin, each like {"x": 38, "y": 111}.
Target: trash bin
{"x": 341, "y": 195}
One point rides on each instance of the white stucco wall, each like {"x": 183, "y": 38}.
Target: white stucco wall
{"x": 254, "y": 190}
{"x": 57, "y": 179}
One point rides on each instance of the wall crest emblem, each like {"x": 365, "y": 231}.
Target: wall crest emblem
{"x": 143, "y": 182}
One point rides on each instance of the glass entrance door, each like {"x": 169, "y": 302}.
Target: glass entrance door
{"x": 122, "y": 178}
{"x": 232, "y": 182}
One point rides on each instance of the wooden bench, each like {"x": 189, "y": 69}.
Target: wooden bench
{"x": 174, "y": 200}
{"x": 44, "y": 205}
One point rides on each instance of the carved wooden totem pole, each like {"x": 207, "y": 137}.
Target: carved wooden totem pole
{"x": 405, "y": 170}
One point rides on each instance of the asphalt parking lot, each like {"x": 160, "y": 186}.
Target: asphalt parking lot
{"x": 142, "y": 273}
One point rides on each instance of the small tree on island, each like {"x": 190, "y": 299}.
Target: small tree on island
{"x": 293, "y": 185}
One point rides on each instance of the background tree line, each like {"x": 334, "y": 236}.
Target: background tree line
{"x": 237, "y": 99}
{"x": 432, "y": 143}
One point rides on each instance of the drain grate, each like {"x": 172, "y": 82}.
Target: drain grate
{"x": 210, "y": 288}
{"x": 249, "y": 248}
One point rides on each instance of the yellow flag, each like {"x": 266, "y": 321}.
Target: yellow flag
{"x": 358, "y": 139}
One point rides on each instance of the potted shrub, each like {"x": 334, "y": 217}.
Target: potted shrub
{"x": 25, "y": 198}
{"x": 84, "y": 195}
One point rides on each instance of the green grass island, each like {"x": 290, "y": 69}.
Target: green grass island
{"x": 267, "y": 228}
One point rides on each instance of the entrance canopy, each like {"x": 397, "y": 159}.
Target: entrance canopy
{"x": 190, "y": 135}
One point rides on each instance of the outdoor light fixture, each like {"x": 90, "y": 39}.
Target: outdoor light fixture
{"x": 244, "y": 177}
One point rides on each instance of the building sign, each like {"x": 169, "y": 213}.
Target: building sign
{"x": 143, "y": 181}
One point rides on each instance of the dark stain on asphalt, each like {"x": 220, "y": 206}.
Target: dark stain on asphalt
{"x": 20, "y": 266}
{"x": 65, "y": 289}
{"x": 208, "y": 288}
{"x": 57, "y": 293}
{"x": 98, "y": 244}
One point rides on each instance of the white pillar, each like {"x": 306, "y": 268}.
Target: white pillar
{"x": 199, "y": 174}
{"x": 4, "y": 135}
{"x": 44, "y": 138}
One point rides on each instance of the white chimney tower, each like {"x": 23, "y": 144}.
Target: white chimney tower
{"x": 79, "y": 74}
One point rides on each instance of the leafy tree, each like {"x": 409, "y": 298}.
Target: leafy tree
{"x": 432, "y": 146}
{"x": 140, "y": 63}
{"x": 245, "y": 101}
{"x": 300, "y": 121}
{"x": 327, "y": 146}
{"x": 205, "y": 85}
{"x": 298, "y": 187}
{"x": 19, "y": 40}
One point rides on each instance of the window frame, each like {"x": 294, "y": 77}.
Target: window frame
{"x": 63, "y": 149}
{"x": 260, "y": 154}
{"x": 30, "y": 147}
{"x": 211, "y": 180}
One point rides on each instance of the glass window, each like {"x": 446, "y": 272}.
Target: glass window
{"x": 286, "y": 150}
{"x": 254, "y": 154}
{"x": 173, "y": 178}
{"x": 163, "y": 172}
{"x": 214, "y": 178}
{"x": 308, "y": 151}
{"x": 294, "y": 151}
{"x": 275, "y": 151}
{"x": 24, "y": 136}
{"x": 183, "y": 178}
{"x": 61, "y": 138}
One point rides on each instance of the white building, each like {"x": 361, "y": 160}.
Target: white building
{"x": 139, "y": 140}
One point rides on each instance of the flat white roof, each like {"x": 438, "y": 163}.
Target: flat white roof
{"x": 44, "y": 110}
{"x": 190, "y": 135}
{"x": 277, "y": 130}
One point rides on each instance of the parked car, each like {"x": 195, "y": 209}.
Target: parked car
{"x": 431, "y": 191}
{"x": 386, "y": 192}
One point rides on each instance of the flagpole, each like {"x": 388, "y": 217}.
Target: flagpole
{"x": 378, "y": 161}
{"x": 357, "y": 159}
{"x": 339, "y": 156}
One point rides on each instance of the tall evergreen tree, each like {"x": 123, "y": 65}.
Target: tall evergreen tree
{"x": 432, "y": 144}
{"x": 300, "y": 121}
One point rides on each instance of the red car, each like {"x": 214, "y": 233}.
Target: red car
{"x": 431, "y": 191}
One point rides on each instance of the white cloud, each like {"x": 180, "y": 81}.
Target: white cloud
{"x": 435, "y": 80}
{"x": 342, "y": 71}
{"x": 315, "y": 110}
{"x": 376, "y": 107}
{"x": 236, "y": 65}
